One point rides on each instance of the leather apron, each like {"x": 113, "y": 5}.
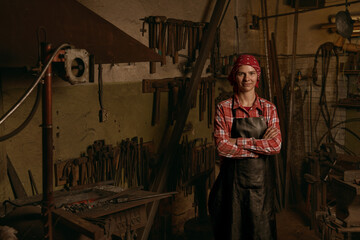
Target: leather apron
{"x": 241, "y": 202}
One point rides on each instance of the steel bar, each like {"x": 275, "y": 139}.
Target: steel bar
{"x": 160, "y": 181}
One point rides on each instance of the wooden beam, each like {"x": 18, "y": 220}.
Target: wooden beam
{"x": 289, "y": 163}
{"x": 167, "y": 155}
{"x": 78, "y": 224}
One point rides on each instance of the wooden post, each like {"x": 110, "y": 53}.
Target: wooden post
{"x": 290, "y": 119}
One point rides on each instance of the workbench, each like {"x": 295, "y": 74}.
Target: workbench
{"x": 98, "y": 212}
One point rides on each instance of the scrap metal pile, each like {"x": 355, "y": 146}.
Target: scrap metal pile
{"x": 333, "y": 193}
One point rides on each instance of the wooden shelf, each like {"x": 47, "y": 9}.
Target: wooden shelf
{"x": 351, "y": 72}
{"x": 348, "y": 103}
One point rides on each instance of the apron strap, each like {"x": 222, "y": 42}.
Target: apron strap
{"x": 233, "y": 110}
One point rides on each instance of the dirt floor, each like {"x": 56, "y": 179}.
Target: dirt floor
{"x": 291, "y": 225}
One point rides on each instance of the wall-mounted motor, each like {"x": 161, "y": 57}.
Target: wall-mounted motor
{"x": 77, "y": 65}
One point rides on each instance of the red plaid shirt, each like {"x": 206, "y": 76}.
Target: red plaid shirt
{"x": 245, "y": 147}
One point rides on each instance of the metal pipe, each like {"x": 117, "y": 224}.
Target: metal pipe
{"x": 307, "y": 10}
{"x": 47, "y": 146}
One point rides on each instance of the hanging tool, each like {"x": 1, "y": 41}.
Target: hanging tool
{"x": 16, "y": 185}
{"x": 237, "y": 34}
{"x": 33, "y": 184}
{"x": 156, "y": 104}
{"x": 201, "y": 99}
{"x": 173, "y": 100}
{"x": 103, "y": 114}
{"x": 160, "y": 21}
{"x": 152, "y": 40}
{"x": 179, "y": 36}
{"x": 170, "y": 39}
{"x": 190, "y": 29}
{"x": 173, "y": 41}
{"x": 211, "y": 102}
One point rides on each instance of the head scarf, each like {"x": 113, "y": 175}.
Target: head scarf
{"x": 244, "y": 60}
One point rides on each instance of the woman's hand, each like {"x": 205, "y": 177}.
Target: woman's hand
{"x": 271, "y": 132}
{"x": 232, "y": 141}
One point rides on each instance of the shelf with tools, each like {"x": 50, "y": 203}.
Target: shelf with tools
{"x": 176, "y": 89}
{"x": 349, "y": 103}
{"x": 353, "y": 76}
{"x": 127, "y": 164}
{"x": 168, "y": 36}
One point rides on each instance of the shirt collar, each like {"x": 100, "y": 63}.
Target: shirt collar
{"x": 257, "y": 103}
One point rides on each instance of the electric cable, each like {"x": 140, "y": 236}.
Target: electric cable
{"x": 27, "y": 120}
{"x": 23, "y": 98}
{"x": 31, "y": 88}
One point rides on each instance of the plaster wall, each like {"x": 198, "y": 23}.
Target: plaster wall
{"x": 75, "y": 109}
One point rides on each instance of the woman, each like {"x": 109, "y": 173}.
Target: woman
{"x": 246, "y": 131}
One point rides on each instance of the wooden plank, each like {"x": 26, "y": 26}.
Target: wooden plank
{"x": 347, "y": 158}
{"x": 282, "y": 116}
{"x": 132, "y": 219}
{"x": 351, "y": 175}
{"x": 190, "y": 94}
{"x": 78, "y": 224}
{"x": 65, "y": 197}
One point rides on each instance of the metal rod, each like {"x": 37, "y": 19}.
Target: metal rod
{"x": 266, "y": 41}
{"x": 291, "y": 105}
{"x": 307, "y": 10}
{"x": 47, "y": 146}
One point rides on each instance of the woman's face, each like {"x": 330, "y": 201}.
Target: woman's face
{"x": 246, "y": 78}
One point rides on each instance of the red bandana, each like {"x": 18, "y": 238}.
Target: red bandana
{"x": 245, "y": 60}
